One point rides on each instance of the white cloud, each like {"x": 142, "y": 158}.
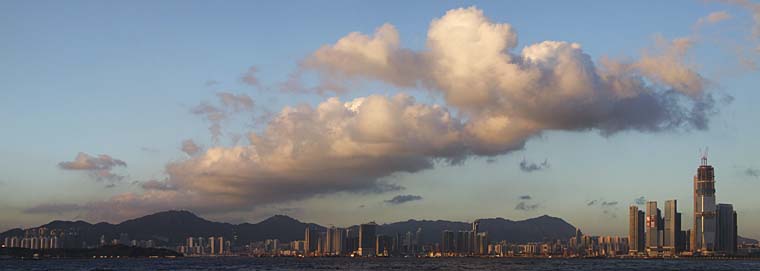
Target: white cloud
{"x": 551, "y": 85}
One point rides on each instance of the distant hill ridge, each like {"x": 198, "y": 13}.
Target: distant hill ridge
{"x": 173, "y": 227}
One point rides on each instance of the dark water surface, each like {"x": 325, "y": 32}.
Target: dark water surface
{"x": 232, "y": 263}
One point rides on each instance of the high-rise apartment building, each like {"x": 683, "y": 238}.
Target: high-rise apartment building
{"x": 448, "y": 244}
{"x": 311, "y": 240}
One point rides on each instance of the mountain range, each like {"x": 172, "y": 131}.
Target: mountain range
{"x": 173, "y": 227}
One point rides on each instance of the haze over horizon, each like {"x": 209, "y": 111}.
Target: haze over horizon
{"x": 376, "y": 111}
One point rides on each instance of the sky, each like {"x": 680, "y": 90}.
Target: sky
{"x": 343, "y": 112}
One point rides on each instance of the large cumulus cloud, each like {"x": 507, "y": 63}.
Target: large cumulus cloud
{"x": 335, "y": 146}
{"x": 509, "y": 95}
{"x": 496, "y": 98}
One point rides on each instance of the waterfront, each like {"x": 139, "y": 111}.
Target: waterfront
{"x": 245, "y": 263}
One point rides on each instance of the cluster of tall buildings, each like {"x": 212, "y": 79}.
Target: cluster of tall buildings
{"x": 461, "y": 243}
{"x": 362, "y": 241}
{"x": 714, "y": 230}
{"x": 38, "y": 238}
{"x": 43, "y": 242}
{"x": 209, "y": 246}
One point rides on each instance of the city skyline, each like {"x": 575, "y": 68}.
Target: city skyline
{"x": 356, "y": 113}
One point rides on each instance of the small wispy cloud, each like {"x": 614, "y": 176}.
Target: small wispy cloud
{"x": 752, "y": 172}
{"x": 526, "y": 204}
{"x": 250, "y": 77}
{"x": 640, "y": 200}
{"x": 714, "y": 17}
{"x": 400, "y": 199}
{"x": 98, "y": 167}
{"x": 190, "y": 147}
{"x": 607, "y": 207}
{"x": 229, "y": 103}
{"x": 157, "y": 185}
{"x": 531, "y": 166}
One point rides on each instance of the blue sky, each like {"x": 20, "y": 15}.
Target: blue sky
{"x": 120, "y": 78}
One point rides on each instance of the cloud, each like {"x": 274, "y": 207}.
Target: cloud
{"x": 238, "y": 103}
{"x": 525, "y": 206}
{"x": 156, "y": 185}
{"x": 640, "y": 200}
{"x": 215, "y": 114}
{"x": 714, "y": 17}
{"x": 333, "y": 147}
{"x": 752, "y": 172}
{"x": 509, "y": 96}
{"x": 49, "y": 208}
{"x": 403, "y": 199}
{"x": 189, "y": 147}
{"x": 357, "y": 55}
{"x": 607, "y": 207}
{"x": 754, "y": 9}
{"x": 250, "y": 78}
{"x": 530, "y": 166}
{"x": 98, "y": 167}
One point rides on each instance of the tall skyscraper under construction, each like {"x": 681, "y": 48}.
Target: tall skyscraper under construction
{"x": 703, "y": 233}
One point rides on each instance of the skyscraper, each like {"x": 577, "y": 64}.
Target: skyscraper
{"x": 671, "y": 237}
{"x": 653, "y": 227}
{"x": 367, "y": 236}
{"x": 703, "y": 236}
{"x": 726, "y": 229}
{"x": 635, "y": 230}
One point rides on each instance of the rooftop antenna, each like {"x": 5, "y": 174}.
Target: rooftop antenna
{"x": 704, "y": 156}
